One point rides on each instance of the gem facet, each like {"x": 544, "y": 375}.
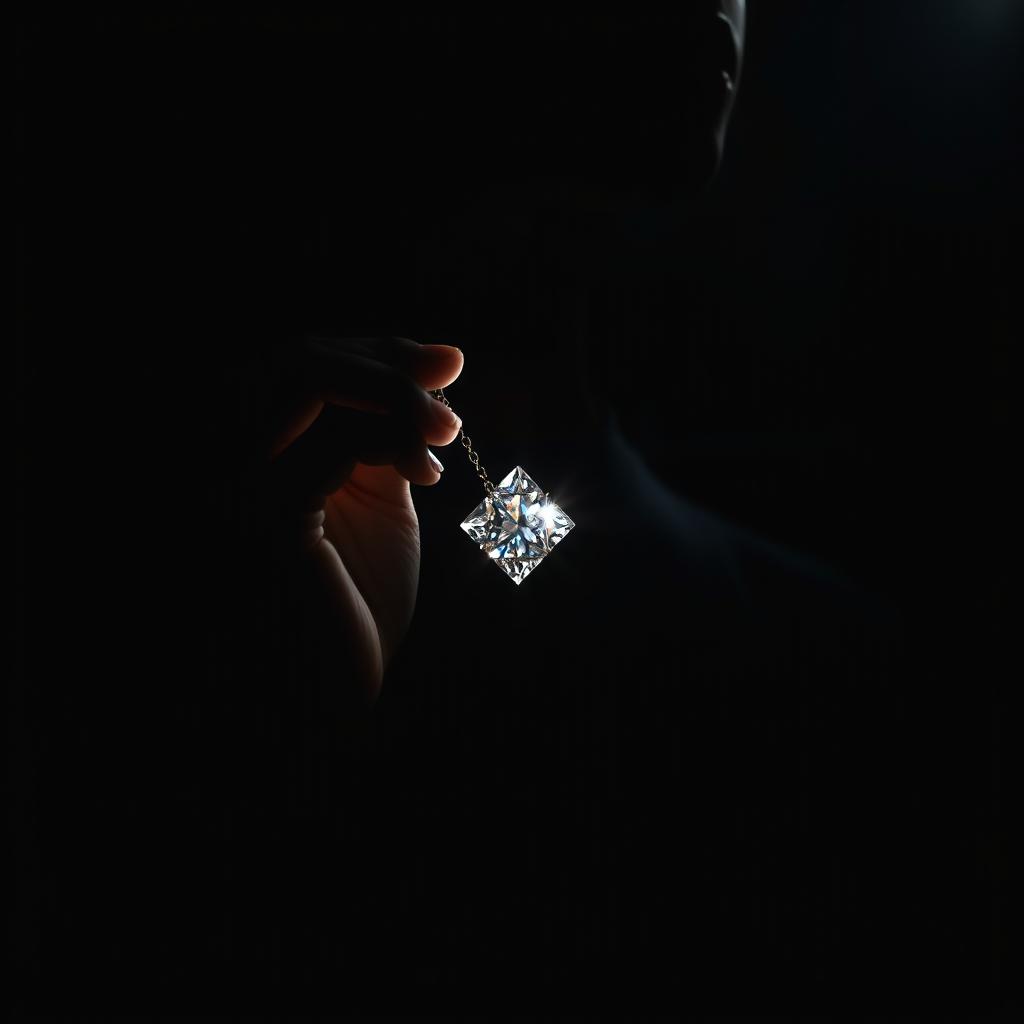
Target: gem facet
{"x": 517, "y": 525}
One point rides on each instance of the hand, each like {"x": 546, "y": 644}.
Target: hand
{"x": 349, "y": 434}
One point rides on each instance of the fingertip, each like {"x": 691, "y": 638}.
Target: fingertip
{"x": 420, "y": 469}
{"x": 444, "y": 364}
{"x": 441, "y": 433}
{"x": 443, "y": 349}
{"x": 428, "y": 479}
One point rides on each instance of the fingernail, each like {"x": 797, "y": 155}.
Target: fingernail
{"x": 436, "y": 461}
{"x": 447, "y": 416}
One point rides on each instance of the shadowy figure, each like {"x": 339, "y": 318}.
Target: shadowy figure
{"x": 293, "y": 729}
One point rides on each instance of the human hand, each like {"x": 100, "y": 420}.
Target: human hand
{"x": 349, "y": 431}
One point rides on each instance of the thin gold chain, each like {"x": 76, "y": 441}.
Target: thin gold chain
{"x": 474, "y": 457}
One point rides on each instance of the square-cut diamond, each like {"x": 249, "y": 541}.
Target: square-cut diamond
{"x": 517, "y": 525}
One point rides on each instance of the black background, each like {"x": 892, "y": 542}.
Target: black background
{"x": 831, "y": 325}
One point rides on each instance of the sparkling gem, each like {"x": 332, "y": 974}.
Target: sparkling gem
{"x": 517, "y": 525}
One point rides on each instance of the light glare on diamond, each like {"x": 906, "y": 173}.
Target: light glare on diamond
{"x": 517, "y": 525}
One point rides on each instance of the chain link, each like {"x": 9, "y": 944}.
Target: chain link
{"x": 474, "y": 457}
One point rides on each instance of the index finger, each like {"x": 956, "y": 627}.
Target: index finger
{"x": 431, "y": 366}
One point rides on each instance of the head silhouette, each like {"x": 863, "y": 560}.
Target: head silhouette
{"x": 427, "y": 112}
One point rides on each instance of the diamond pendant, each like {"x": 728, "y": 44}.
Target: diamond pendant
{"x": 517, "y": 525}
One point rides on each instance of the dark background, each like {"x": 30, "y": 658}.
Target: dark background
{"x": 831, "y": 325}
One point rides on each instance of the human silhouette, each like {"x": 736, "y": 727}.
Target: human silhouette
{"x": 309, "y": 739}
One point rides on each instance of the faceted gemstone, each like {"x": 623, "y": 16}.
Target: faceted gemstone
{"x": 517, "y": 525}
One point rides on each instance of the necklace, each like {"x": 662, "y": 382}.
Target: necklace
{"x": 517, "y": 525}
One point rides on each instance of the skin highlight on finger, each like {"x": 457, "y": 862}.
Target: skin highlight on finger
{"x": 364, "y": 386}
{"x": 418, "y": 468}
{"x": 438, "y": 366}
{"x": 441, "y": 431}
